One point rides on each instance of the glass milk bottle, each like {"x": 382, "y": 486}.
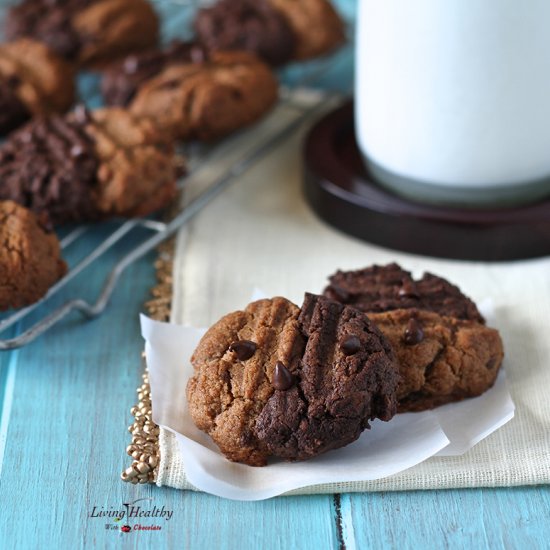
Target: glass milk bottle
{"x": 453, "y": 98}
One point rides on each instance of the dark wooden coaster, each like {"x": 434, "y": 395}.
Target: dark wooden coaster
{"x": 343, "y": 193}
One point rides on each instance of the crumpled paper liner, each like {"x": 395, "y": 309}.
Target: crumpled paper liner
{"x": 386, "y": 449}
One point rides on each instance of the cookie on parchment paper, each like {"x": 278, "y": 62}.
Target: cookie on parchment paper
{"x": 442, "y": 359}
{"x": 385, "y": 288}
{"x": 277, "y": 380}
{"x": 445, "y": 351}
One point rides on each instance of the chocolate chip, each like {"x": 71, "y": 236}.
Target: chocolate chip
{"x": 351, "y": 345}
{"x": 282, "y": 377}
{"x": 413, "y": 333}
{"x": 408, "y": 290}
{"x": 244, "y": 349}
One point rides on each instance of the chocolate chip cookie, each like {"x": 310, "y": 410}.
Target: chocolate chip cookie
{"x": 121, "y": 81}
{"x": 277, "y": 380}
{"x": 442, "y": 359}
{"x": 385, "y": 288}
{"x": 276, "y": 30}
{"x": 88, "y": 166}
{"x": 444, "y": 350}
{"x": 33, "y": 81}
{"x": 251, "y": 25}
{"x": 208, "y": 98}
{"x": 86, "y": 32}
{"x": 30, "y": 259}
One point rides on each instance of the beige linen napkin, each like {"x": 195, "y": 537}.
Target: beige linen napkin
{"x": 261, "y": 233}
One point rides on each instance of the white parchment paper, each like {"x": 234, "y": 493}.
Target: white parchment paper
{"x": 386, "y": 449}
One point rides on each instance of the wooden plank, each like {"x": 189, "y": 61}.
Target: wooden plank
{"x": 66, "y": 440}
{"x": 469, "y": 518}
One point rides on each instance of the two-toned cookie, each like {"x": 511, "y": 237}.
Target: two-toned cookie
{"x": 276, "y": 30}
{"x": 192, "y": 94}
{"x": 385, "y": 288}
{"x": 86, "y": 32}
{"x": 276, "y": 380}
{"x": 445, "y": 351}
{"x": 89, "y": 166}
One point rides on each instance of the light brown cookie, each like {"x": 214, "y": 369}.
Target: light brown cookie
{"x": 30, "y": 257}
{"x": 316, "y": 25}
{"x": 210, "y": 99}
{"x": 34, "y": 78}
{"x": 88, "y": 32}
{"x": 441, "y": 359}
{"x": 137, "y": 167}
{"x": 277, "y": 380}
{"x": 112, "y": 29}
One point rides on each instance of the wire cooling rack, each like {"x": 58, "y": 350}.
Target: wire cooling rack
{"x": 175, "y": 16}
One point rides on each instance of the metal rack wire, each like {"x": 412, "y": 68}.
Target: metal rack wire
{"x": 158, "y": 231}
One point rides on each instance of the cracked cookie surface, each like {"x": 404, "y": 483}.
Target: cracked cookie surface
{"x": 441, "y": 359}
{"x": 277, "y": 380}
{"x": 208, "y": 99}
{"x": 385, "y": 288}
{"x": 30, "y": 258}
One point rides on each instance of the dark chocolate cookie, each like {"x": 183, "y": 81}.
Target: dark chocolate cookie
{"x": 441, "y": 359}
{"x": 385, "y": 288}
{"x": 33, "y": 81}
{"x": 88, "y": 166}
{"x": 274, "y": 380}
{"x": 252, "y": 25}
{"x": 86, "y": 31}
{"x": 30, "y": 257}
{"x": 275, "y": 30}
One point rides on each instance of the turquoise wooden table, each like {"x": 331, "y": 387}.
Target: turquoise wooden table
{"x": 65, "y": 401}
